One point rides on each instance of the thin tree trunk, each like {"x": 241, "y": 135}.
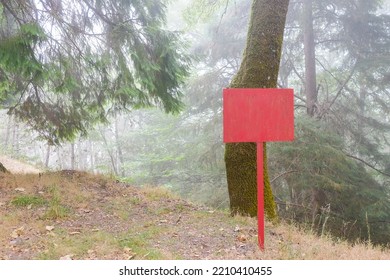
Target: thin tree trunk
{"x": 8, "y": 133}
{"x": 15, "y": 137}
{"x": 60, "y": 162}
{"x": 47, "y": 156}
{"x": 91, "y": 156}
{"x": 119, "y": 149}
{"x": 259, "y": 69}
{"x": 310, "y": 62}
{"x": 72, "y": 157}
{"x": 80, "y": 155}
{"x": 110, "y": 153}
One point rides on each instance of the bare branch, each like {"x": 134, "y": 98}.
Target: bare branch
{"x": 368, "y": 164}
{"x": 282, "y": 174}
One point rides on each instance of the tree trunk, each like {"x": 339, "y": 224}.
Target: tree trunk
{"x": 259, "y": 69}
{"x": 15, "y": 138}
{"x": 310, "y": 62}
{"x": 110, "y": 153}
{"x": 119, "y": 149}
{"x": 47, "y": 158}
{"x": 91, "y": 156}
{"x": 72, "y": 157}
{"x": 7, "y": 136}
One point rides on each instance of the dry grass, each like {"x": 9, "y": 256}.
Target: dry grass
{"x": 81, "y": 216}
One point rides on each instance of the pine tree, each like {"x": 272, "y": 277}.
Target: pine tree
{"x": 66, "y": 65}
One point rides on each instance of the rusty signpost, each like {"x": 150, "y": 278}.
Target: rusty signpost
{"x": 258, "y": 115}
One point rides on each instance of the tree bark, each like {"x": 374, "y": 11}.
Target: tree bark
{"x": 259, "y": 69}
{"x": 119, "y": 149}
{"x": 47, "y": 158}
{"x": 72, "y": 157}
{"x": 7, "y": 136}
{"x": 310, "y": 59}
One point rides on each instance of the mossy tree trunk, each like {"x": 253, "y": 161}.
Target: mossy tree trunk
{"x": 259, "y": 69}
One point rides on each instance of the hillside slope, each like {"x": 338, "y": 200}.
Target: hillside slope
{"x": 76, "y": 215}
{"x": 15, "y": 166}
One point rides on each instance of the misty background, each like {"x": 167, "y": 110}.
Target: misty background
{"x": 336, "y": 174}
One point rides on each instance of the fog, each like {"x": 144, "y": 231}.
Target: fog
{"x": 342, "y": 146}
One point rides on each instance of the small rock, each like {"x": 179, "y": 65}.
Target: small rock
{"x": 20, "y": 189}
{"x": 16, "y": 242}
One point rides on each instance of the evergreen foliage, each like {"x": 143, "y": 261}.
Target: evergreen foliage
{"x": 66, "y": 65}
{"x": 333, "y": 177}
{"x": 316, "y": 160}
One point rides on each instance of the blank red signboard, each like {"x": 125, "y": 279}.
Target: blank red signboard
{"x": 258, "y": 115}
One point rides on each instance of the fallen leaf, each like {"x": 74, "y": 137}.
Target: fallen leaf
{"x": 163, "y": 221}
{"x": 20, "y": 189}
{"x": 74, "y": 232}
{"x": 49, "y": 228}
{"x": 241, "y": 238}
{"x": 29, "y": 207}
{"x": 127, "y": 250}
{"x": 95, "y": 229}
{"x": 17, "y": 232}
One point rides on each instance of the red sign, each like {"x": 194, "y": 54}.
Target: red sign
{"x": 258, "y": 115}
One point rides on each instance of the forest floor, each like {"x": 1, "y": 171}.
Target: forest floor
{"x": 76, "y": 215}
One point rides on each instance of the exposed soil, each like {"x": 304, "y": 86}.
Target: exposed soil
{"x": 76, "y": 215}
{"x": 167, "y": 227}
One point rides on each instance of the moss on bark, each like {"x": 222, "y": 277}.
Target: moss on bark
{"x": 259, "y": 69}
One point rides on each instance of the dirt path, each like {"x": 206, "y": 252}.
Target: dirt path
{"x": 17, "y": 167}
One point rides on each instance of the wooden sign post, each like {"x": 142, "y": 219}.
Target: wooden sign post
{"x": 258, "y": 115}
